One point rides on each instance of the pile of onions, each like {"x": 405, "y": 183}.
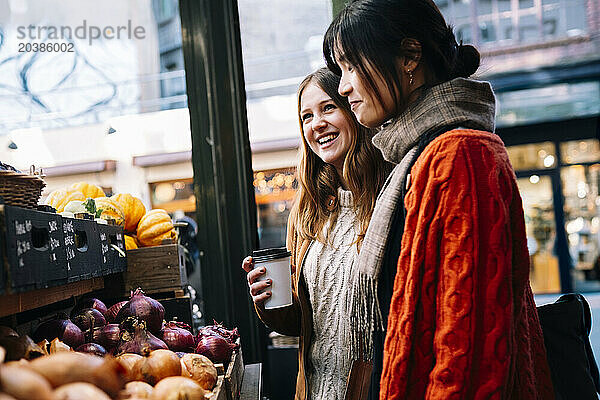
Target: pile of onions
{"x": 217, "y": 349}
{"x": 112, "y": 312}
{"x": 136, "y": 339}
{"x": 157, "y": 365}
{"x": 177, "y": 337}
{"x": 60, "y": 328}
{"x": 145, "y": 308}
{"x": 200, "y": 369}
{"x": 89, "y": 303}
{"x": 178, "y": 388}
{"x": 108, "y": 336}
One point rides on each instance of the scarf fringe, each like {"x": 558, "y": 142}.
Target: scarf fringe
{"x": 365, "y": 317}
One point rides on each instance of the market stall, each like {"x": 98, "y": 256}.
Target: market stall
{"x": 93, "y": 302}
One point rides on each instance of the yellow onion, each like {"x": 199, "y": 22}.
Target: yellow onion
{"x": 200, "y": 369}
{"x": 178, "y": 388}
{"x": 157, "y": 365}
{"x": 70, "y": 366}
{"x": 128, "y": 360}
{"x": 79, "y": 391}
{"x": 23, "y": 383}
{"x": 137, "y": 389}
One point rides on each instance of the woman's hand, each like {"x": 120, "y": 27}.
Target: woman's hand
{"x": 258, "y": 289}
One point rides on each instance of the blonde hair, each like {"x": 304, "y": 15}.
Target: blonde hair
{"x": 364, "y": 172}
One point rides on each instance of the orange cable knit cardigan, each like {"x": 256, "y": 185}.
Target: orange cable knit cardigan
{"x": 462, "y": 321}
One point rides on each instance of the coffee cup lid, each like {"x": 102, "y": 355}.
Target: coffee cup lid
{"x": 270, "y": 254}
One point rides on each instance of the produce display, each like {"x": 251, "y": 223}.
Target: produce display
{"x": 143, "y": 228}
{"x": 126, "y": 351}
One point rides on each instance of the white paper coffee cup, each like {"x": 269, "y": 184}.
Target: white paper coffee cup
{"x": 276, "y": 262}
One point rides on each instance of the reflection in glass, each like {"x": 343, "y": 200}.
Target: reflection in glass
{"x": 532, "y": 156}
{"x": 487, "y": 32}
{"x": 528, "y": 27}
{"x": 506, "y": 29}
{"x": 580, "y": 151}
{"x": 582, "y": 223}
{"x": 540, "y": 228}
{"x": 484, "y": 7}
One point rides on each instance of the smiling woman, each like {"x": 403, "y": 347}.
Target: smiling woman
{"x": 325, "y": 231}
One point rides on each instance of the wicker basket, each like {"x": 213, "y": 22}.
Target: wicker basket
{"x": 21, "y": 189}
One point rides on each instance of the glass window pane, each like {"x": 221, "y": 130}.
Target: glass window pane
{"x": 463, "y": 32}
{"x": 582, "y": 223}
{"x": 528, "y": 28}
{"x": 532, "y": 156}
{"x": 504, "y": 5}
{"x": 549, "y": 103}
{"x": 576, "y": 17}
{"x": 461, "y": 8}
{"x": 580, "y": 151}
{"x": 536, "y": 192}
{"x": 484, "y": 7}
{"x": 551, "y": 21}
{"x": 487, "y": 31}
{"x": 525, "y": 4}
{"x": 506, "y": 29}
{"x": 275, "y": 191}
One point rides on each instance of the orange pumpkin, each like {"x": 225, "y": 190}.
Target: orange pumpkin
{"x": 60, "y": 198}
{"x": 154, "y": 227}
{"x": 132, "y": 208}
{"x": 88, "y": 189}
{"x": 110, "y": 210}
{"x": 130, "y": 243}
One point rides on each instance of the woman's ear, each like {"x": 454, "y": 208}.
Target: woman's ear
{"x": 412, "y": 54}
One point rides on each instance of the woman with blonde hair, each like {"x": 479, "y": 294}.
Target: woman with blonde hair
{"x": 340, "y": 174}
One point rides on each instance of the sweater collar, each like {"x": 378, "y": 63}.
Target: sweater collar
{"x": 460, "y": 102}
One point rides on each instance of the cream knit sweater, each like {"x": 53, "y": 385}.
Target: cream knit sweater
{"x": 327, "y": 272}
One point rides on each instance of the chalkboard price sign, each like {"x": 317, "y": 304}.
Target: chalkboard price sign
{"x": 35, "y": 248}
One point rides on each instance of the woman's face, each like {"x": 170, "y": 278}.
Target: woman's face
{"x": 326, "y": 129}
{"x": 370, "y": 110}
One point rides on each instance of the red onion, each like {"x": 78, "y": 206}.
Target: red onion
{"x": 216, "y": 348}
{"x": 177, "y": 338}
{"x": 112, "y": 312}
{"x": 89, "y": 303}
{"x": 136, "y": 339}
{"x": 88, "y": 319}
{"x": 92, "y": 348}
{"x": 107, "y": 336}
{"x": 63, "y": 329}
{"x": 144, "y": 308}
{"x": 218, "y": 329}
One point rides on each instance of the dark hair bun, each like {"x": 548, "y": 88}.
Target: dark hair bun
{"x": 468, "y": 59}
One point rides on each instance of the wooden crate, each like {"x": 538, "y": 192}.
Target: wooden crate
{"x": 156, "y": 269}
{"x": 230, "y": 383}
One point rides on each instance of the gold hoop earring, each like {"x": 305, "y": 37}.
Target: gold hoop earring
{"x": 410, "y": 76}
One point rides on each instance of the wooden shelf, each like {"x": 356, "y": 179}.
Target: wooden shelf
{"x": 18, "y": 302}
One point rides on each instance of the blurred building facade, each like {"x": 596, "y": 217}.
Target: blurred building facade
{"x": 543, "y": 60}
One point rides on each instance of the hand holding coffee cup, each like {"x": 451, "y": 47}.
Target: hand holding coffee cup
{"x": 269, "y": 277}
{"x": 259, "y": 289}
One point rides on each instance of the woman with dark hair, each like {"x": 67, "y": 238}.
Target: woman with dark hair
{"x": 448, "y": 224}
{"x": 340, "y": 174}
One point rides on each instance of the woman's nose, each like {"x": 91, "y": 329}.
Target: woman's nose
{"x": 344, "y": 88}
{"x": 318, "y": 123}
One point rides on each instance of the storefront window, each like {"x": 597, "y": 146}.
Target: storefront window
{"x": 173, "y": 196}
{"x": 532, "y": 156}
{"x": 580, "y": 151}
{"x": 582, "y": 223}
{"x": 275, "y": 191}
